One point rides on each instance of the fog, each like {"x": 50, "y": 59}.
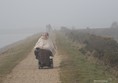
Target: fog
{"x": 16, "y": 14}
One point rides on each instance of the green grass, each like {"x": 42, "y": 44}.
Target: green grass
{"x": 10, "y": 58}
{"x": 75, "y": 68}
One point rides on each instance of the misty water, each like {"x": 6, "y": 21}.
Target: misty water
{"x": 6, "y": 39}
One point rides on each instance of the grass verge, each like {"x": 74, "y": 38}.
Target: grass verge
{"x": 75, "y": 68}
{"x": 11, "y": 57}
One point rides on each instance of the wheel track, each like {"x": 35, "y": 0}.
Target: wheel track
{"x": 27, "y": 72}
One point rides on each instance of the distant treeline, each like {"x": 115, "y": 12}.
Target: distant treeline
{"x": 111, "y": 31}
{"x": 103, "y": 48}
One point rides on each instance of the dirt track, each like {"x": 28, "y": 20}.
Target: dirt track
{"x": 27, "y": 72}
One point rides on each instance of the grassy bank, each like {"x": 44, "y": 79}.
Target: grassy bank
{"x": 75, "y": 68}
{"x": 11, "y": 57}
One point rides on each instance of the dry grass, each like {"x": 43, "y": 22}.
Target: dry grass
{"x": 12, "y": 56}
{"x": 76, "y": 68}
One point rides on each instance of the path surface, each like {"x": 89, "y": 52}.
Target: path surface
{"x": 27, "y": 72}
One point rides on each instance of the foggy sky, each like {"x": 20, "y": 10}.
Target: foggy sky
{"x": 39, "y": 13}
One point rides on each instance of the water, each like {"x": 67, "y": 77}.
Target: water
{"x": 6, "y": 39}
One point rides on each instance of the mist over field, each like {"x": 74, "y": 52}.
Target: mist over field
{"x": 38, "y": 13}
{"x": 32, "y": 16}
{"x": 85, "y": 33}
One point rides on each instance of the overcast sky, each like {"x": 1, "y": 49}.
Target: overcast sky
{"x": 39, "y": 13}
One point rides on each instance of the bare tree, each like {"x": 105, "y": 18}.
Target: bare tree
{"x": 49, "y": 28}
{"x": 114, "y": 25}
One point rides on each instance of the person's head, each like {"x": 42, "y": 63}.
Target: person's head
{"x": 45, "y": 35}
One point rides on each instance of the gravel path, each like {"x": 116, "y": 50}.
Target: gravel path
{"x": 27, "y": 72}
